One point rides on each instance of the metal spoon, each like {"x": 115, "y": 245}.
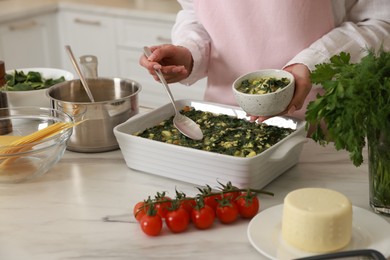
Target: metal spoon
{"x": 183, "y": 123}
{"x": 77, "y": 68}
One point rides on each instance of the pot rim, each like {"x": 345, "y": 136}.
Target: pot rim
{"x": 136, "y": 83}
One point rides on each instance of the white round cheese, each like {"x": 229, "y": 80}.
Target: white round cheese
{"x": 317, "y": 220}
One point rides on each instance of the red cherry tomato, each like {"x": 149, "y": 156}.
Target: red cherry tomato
{"x": 248, "y": 205}
{"x": 229, "y": 191}
{"x": 139, "y": 210}
{"x": 162, "y": 207}
{"x": 187, "y": 204}
{"x": 227, "y": 211}
{"x": 212, "y": 201}
{"x": 177, "y": 220}
{"x": 151, "y": 223}
{"x": 209, "y": 199}
{"x": 232, "y": 195}
{"x": 203, "y": 218}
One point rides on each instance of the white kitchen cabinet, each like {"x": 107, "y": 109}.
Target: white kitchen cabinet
{"x": 132, "y": 35}
{"x": 30, "y": 42}
{"x": 114, "y": 37}
{"x": 89, "y": 34}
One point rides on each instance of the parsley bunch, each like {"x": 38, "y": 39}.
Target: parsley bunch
{"x": 356, "y": 101}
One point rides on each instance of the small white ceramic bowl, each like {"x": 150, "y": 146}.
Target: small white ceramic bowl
{"x": 36, "y": 98}
{"x": 269, "y": 104}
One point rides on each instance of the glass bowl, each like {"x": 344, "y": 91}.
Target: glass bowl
{"x": 19, "y": 163}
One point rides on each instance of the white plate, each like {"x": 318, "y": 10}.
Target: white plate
{"x": 369, "y": 231}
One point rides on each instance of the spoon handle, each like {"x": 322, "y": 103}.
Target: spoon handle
{"x": 76, "y": 66}
{"x": 147, "y": 53}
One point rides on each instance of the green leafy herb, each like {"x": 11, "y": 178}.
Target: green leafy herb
{"x": 19, "y": 81}
{"x": 356, "y": 101}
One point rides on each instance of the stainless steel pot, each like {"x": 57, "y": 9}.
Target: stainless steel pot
{"x": 116, "y": 100}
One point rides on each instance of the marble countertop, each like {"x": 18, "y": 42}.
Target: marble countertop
{"x": 11, "y": 10}
{"x": 59, "y": 215}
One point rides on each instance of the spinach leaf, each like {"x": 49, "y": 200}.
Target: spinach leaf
{"x": 33, "y": 80}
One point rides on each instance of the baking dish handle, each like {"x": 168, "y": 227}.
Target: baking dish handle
{"x": 287, "y": 147}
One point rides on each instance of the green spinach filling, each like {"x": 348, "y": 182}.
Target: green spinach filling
{"x": 262, "y": 85}
{"x": 222, "y": 134}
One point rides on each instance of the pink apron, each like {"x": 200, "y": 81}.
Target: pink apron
{"x": 248, "y": 35}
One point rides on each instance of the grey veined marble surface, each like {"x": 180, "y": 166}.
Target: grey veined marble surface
{"x": 59, "y": 215}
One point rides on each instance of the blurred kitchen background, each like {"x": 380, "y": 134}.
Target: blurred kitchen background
{"x": 33, "y": 33}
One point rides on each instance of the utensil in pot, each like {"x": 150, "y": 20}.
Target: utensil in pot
{"x": 77, "y": 68}
{"x": 183, "y": 123}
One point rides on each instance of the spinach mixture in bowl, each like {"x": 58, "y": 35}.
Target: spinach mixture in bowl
{"x": 262, "y": 85}
{"x": 222, "y": 134}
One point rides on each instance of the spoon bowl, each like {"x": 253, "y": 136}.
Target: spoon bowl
{"x": 183, "y": 123}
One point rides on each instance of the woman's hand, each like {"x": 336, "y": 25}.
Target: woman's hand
{"x": 303, "y": 86}
{"x": 175, "y": 62}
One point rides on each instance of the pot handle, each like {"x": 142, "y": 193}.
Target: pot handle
{"x": 89, "y": 64}
{"x": 287, "y": 147}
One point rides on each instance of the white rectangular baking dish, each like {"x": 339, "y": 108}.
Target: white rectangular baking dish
{"x": 202, "y": 167}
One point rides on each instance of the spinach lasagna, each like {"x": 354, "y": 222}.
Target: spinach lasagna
{"x": 222, "y": 134}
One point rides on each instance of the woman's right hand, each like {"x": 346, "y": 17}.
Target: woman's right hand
{"x": 175, "y": 62}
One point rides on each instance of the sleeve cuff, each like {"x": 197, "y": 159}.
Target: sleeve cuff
{"x": 308, "y": 57}
{"x": 198, "y": 68}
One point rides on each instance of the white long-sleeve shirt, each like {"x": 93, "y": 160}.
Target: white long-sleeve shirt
{"x": 357, "y": 25}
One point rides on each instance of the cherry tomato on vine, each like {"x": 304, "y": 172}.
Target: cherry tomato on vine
{"x": 227, "y": 211}
{"x": 162, "y": 207}
{"x": 232, "y": 195}
{"x": 139, "y": 210}
{"x": 151, "y": 223}
{"x": 248, "y": 205}
{"x": 186, "y": 203}
{"x": 202, "y": 215}
{"x": 210, "y": 200}
{"x": 229, "y": 191}
{"x": 177, "y": 220}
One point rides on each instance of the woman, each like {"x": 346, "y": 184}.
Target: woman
{"x": 222, "y": 40}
